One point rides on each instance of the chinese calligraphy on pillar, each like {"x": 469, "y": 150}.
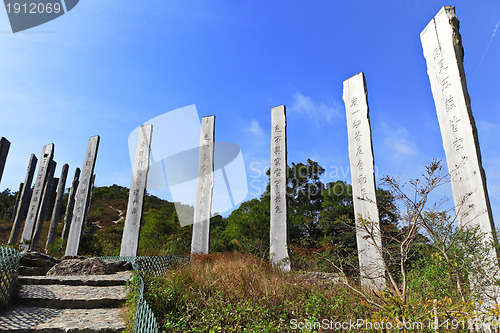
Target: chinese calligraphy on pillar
{"x": 130, "y": 238}
{"x": 278, "y": 183}
{"x": 36, "y": 196}
{"x": 81, "y": 198}
{"x": 204, "y": 188}
{"x": 443, "y": 52}
{"x": 368, "y": 237}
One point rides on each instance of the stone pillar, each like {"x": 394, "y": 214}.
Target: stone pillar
{"x": 4, "y": 150}
{"x": 204, "y": 188}
{"x": 36, "y": 197}
{"x": 443, "y": 52}
{"x": 77, "y": 222}
{"x": 130, "y": 238}
{"x": 368, "y": 237}
{"x": 71, "y": 204}
{"x": 47, "y": 193}
{"x": 89, "y": 201}
{"x": 25, "y": 194}
{"x": 278, "y": 184}
{"x": 56, "y": 212}
{"x": 18, "y": 199}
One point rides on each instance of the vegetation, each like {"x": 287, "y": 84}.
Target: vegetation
{"x": 430, "y": 261}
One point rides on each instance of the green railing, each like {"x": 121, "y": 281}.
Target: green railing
{"x": 145, "y": 320}
{"x": 9, "y": 263}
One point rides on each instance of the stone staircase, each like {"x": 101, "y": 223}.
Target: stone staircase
{"x": 84, "y": 303}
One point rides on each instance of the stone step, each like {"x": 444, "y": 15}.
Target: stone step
{"x": 118, "y": 279}
{"x": 64, "y": 296}
{"x": 39, "y": 319}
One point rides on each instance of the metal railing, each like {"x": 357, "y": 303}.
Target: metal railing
{"x": 145, "y": 320}
{"x": 9, "y": 264}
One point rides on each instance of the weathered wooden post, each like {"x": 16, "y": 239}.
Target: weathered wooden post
{"x": 4, "y": 151}
{"x": 56, "y": 212}
{"x": 77, "y": 223}
{"x": 36, "y": 197}
{"x": 278, "y": 184}
{"x": 204, "y": 188}
{"x": 443, "y": 52}
{"x": 47, "y": 193}
{"x": 25, "y": 194}
{"x": 71, "y": 204}
{"x": 368, "y": 237}
{"x": 130, "y": 238}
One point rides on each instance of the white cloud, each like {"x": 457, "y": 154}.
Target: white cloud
{"x": 255, "y": 128}
{"x": 317, "y": 111}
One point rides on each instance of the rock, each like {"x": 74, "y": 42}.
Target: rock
{"x": 119, "y": 265}
{"x": 37, "y": 259}
{"x": 89, "y": 266}
{"x": 32, "y": 271}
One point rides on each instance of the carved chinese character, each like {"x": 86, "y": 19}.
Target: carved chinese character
{"x": 277, "y": 138}
{"x": 358, "y": 151}
{"x": 277, "y": 160}
{"x": 277, "y": 150}
{"x": 360, "y": 164}
{"x": 458, "y": 144}
{"x": 278, "y": 209}
{"x": 277, "y": 198}
{"x": 277, "y": 128}
{"x": 356, "y": 123}
{"x": 357, "y": 136}
{"x": 362, "y": 179}
{"x": 454, "y": 123}
{"x": 449, "y": 103}
{"x": 445, "y": 83}
{"x": 441, "y": 65}
{"x": 354, "y": 101}
{"x": 277, "y": 172}
{"x": 143, "y": 144}
{"x": 277, "y": 184}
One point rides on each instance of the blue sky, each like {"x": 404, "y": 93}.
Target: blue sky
{"x": 107, "y": 66}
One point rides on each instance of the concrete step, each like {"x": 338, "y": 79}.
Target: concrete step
{"x": 118, "y": 279}
{"x": 64, "y": 296}
{"x": 39, "y": 319}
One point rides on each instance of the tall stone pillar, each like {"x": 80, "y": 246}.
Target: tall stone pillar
{"x": 89, "y": 201}
{"x": 77, "y": 223}
{"x": 278, "y": 184}
{"x": 4, "y": 151}
{"x": 130, "y": 238}
{"x": 368, "y": 237}
{"x": 443, "y": 52}
{"x": 47, "y": 193}
{"x": 56, "y": 212}
{"x": 204, "y": 188}
{"x": 71, "y": 204}
{"x": 25, "y": 194}
{"x": 36, "y": 197}
{"x": 18, "y": 200}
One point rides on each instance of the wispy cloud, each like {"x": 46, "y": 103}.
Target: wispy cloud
{"x": 487, "y": 48}
{"x": 319, "y": 112}
{"x": 255, "y": 128}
